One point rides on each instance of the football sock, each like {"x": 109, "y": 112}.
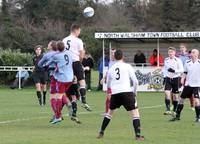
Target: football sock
{"x": 136, "y": 125}
{"x": 39, "y": 95}
{"x": 44, "y": 97}
{"x": 54, "y": 105}
{"x": 74, "y": 108}
{"x": 107, "y": 104}
{"x": 64, "y": 100}
{"x": 197, "y": 110}
{"x": 83, "y": 95}
{"x": 59, "y": 108}
{"x": 167, "y": 103}
{"x": 175, "y": 104}
{"x": 105, "y": 122}
{"x": 179, "y": 109}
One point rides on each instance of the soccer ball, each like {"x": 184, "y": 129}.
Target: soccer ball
{"x": 88, "y": 12}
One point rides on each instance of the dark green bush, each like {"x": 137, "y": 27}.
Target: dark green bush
{"x": 12, "y": 58}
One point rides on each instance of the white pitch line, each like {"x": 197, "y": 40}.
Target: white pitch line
{"x": 150, "y": 107}
{"x": 81, "y": 113}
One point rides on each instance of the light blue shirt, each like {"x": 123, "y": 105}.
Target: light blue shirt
{"x": 63, "y": 63}
{"x": 47, "y": 57}
{"x": 24, "y": 74}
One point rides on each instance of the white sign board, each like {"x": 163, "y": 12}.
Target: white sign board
{"x": 149, "y": 78}
{"x": 149, "y": 35}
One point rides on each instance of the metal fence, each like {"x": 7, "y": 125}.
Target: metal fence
{"x": 16, "y": 69}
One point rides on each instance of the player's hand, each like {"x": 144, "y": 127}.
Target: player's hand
{"x": 171, "y": 70}
{"x": 102, "y": 81}
{"x": 87, "y": 68}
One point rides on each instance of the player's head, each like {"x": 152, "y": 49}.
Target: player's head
{"x": 183, "y": 47}
{"x": 171, "y": 52}
{"x": 52, "y": 46}
{"x": 60, "y": 46}
{"x": 194, "y": 54}
{"x": 38, "y": 50}
{"x": 118, "y": 55}
{"x": 75, "y": 29}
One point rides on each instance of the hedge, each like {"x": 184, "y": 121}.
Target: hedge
{"x": 12, "y": 58}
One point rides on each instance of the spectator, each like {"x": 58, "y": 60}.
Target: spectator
{"x": 88, "y": 64}
{"x": 153, "y": 60}
{"x": 100, "y": 70}
{"x": 139, "y": 58}
{"x": 24, "y": 76}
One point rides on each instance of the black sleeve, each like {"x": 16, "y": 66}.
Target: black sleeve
{"x": 90, "y": 62}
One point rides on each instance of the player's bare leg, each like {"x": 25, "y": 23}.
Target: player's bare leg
{"x": 167, "y": 102}
{"x": 107, "y": 103}
{"x": 192, "y": 103}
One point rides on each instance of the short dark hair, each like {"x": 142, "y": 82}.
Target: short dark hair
{"x": 38, "y": 46}
{"x": 155, "y": 50}
{"x": 172, "y": 48}
{"x": 74, "y": 27}
{"x": 60, "y": 46}
{"x": 54, "y": 45}
{"x": 118, "y": 54}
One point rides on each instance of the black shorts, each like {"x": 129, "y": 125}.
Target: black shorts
{"x": 172, "y": 84}
{"x": 190, "y": 91}
{"x": 73, "y": 91}
{"x": 78, "y": 70}
{"x": 40, "y": 77}
{"x": 127, "y": 99}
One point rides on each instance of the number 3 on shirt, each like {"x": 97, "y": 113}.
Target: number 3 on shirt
{"x": 117, "y": 73}
{"x": 68, "y": 45}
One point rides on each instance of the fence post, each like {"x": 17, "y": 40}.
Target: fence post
{"x": 19, "y": 76}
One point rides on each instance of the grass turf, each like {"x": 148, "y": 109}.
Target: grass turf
{"x": 23, "y": 121}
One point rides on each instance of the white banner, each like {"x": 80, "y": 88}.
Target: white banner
{"x": 149, "y": 78}
{"x": 129, "y": 35}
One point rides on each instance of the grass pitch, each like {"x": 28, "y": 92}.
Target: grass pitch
{"x": 23, "y": 121}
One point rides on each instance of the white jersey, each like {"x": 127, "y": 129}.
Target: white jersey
{"x": 74, "y": 45}
{"x": 175, "y": 64}
{"x": 192, "y": 69}
{"x": 121, "y": 77}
